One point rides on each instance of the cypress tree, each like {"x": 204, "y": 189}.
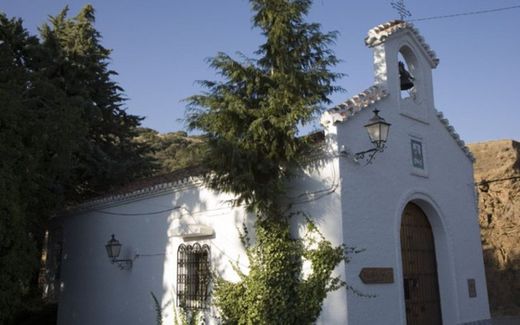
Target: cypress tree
{"x": 108, "y": 156}
{"x": 38, "y": 131}
{"x": 251, "y": 119}
{"x": 64, "y": 136}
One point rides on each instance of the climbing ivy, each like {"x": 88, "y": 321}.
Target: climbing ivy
{"x": 180, "y": 317}
{"x": 275, "y": 290}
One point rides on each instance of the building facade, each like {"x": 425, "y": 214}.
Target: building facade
{"x": 412, "y": 210}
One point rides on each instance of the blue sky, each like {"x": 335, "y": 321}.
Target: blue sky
{"x": 160, "y": 47}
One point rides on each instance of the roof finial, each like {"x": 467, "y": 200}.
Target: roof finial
{"x": 401, "y": 9}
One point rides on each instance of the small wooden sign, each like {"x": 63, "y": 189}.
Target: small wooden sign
{"x": 472, "y": 288}
{"x": 376, "y": 275}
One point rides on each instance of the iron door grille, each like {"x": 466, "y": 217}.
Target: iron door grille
{"x": 193, "y": 276}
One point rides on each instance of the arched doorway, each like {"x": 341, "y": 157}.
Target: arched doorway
{"x": 421, "y": 288}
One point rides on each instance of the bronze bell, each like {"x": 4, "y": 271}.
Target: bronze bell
{"x": 405, "y": 77}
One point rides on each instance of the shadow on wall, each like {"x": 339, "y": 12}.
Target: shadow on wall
{"x": 503, "y": 281}
{"x": 497, "y": 173}
{"x": 201, "y": 205}
{"x": 500, "y": 233}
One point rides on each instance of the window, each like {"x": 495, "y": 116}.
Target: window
{"x": 193, "y": 276}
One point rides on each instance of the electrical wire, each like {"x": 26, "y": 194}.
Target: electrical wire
{"x": 502, "y": 179}
{"x": 488, "y": 181}
{"x": 151, "y": 255}
{"x": 469, "y": 13}
{"x": 309, "y": 197}
{"x": 230, "y": 259}
{"x": 139, "y": 213}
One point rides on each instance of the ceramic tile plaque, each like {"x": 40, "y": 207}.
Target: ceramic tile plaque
{"x": 417, "y": 154}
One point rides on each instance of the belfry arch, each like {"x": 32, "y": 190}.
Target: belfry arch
{"x": 409, "y": 65}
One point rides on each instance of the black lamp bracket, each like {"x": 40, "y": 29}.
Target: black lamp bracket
{"x": 123, "y": 264}
{"x": 358, "y": 156}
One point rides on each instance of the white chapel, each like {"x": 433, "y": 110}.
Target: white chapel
{"x": 408, "y": 202}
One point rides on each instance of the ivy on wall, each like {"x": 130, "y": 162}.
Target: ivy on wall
{"x": 275, "y": 290}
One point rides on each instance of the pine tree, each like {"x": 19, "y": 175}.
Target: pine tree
{"x": 251, "y": 119}
{"x": 108, "y": 156}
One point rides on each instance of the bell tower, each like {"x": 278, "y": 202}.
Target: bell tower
{"x": 403, "y": 64}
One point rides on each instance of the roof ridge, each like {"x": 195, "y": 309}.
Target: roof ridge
{"x": 380, "y": 33}
{"x": 145, "y": 191}
{"x": 189, "y": 176}
{"x": 354, "y": 104}
{"x": 455, "y": 135}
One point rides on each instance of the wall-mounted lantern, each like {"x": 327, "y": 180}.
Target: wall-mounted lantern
{"x": 113, "y": 247}
{"x": 377, "y": 129}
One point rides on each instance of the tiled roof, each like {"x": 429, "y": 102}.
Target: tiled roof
{"x": 153, "y": 185}
{"x": 179, "y": 179}
{"x": 381, "y": 33}
{"x": 353, "y": 105}
{"x": 455, "y": 136}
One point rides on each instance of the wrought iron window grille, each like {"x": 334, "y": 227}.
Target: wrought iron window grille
{"x": 193, "y": 276}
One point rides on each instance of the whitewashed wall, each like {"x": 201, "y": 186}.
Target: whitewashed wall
{"x": 94, "y": 291}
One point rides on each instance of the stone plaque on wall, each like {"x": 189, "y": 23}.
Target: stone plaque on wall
{"x": 377, "y": 275}
{"x": 472, "y": 289}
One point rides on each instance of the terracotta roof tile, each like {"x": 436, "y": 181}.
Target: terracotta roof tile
{"x": 146, "y": 186}
{"x": 353, "y": 105}
{"x": 381, "y": 33}
{"x": 455, "y": 136}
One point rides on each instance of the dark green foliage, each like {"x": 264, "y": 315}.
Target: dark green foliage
{"x": 274, "y": 291}
{"x": 35, "y": 157}
{"x": 108, "y": 155}
{"x": 251, "y": 119}
{"x": 63, "y": 136}
{"x": 158, "y": 310}
{"x": 43, "y": 315}
{"x": 180, "y": 317}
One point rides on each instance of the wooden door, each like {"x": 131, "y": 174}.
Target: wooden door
{"x": 421, "y": 288}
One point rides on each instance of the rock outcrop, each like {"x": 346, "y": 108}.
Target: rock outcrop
{"x": 497, "y": 173}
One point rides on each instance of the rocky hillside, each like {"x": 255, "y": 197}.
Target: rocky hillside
{"x": 497, "y": 171}
{"x": 174, "y": 150}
